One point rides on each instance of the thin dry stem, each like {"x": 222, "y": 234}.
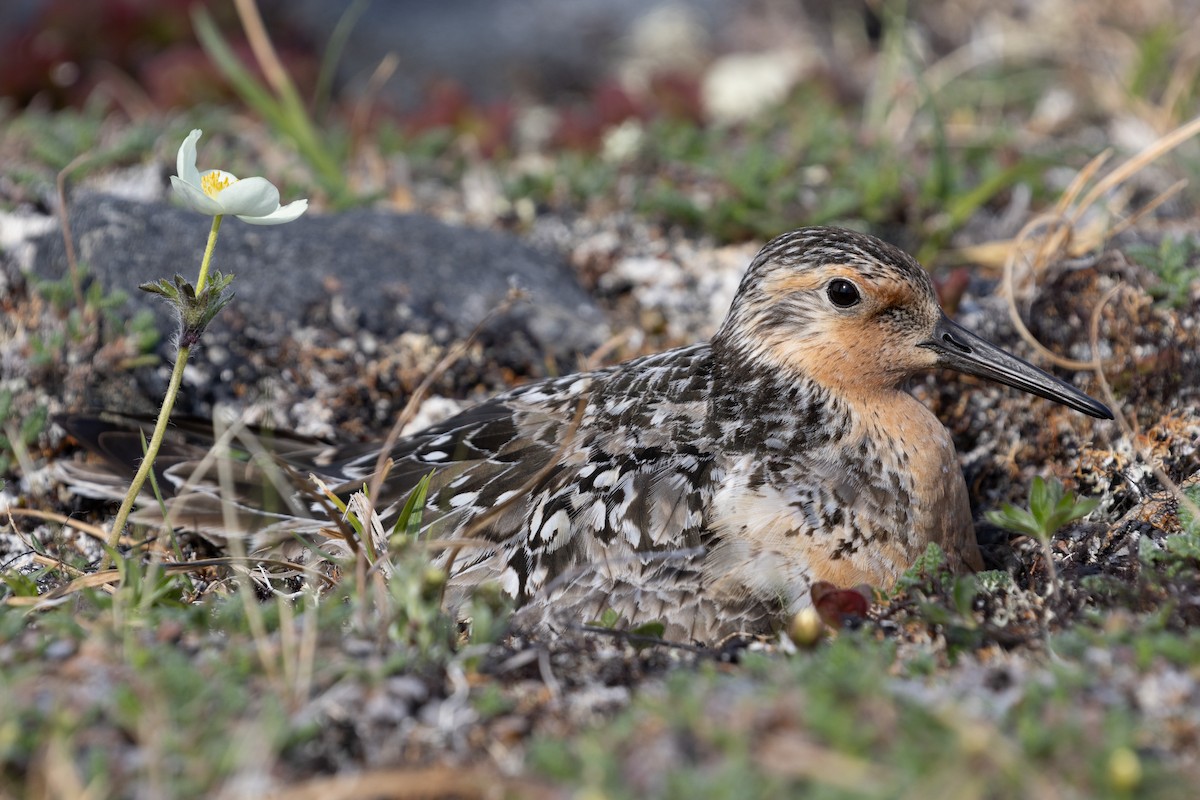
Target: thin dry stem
{"x": 1128, "y": 169}
{"x": 1182, "y": 81}
{"x": 1010, "y": 296}
{"x": 254, "y": 618}
{"x": 362, "y": 110}
{"x": 89, "y": 580}
{"x": 53, "y": 597}
{"x": 297, "y": 651}
{"x": 594, "y": 359}
{"x": 1063, "y": 225}
{"x": 1081, "y": 180}
{"x": 17, "y": 444}
{"x": 471, "y": 783}
{"x": 1145, "y": 211}
{"x": 306, "y": 655}
{"x": 264, "y": 51}
{"x": 55, "y": 772}
{"x": 94, "y": 531}
{"x": 220, "y": 446}
{"x": 54, "y": 563}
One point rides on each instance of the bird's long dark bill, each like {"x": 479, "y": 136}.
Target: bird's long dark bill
{"x": 958, "y": 348}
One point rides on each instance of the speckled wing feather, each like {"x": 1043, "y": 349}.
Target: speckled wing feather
{"x": 612, "y": 508}
{"x": 611, "y": 513}
{"x": 259, "y": 490}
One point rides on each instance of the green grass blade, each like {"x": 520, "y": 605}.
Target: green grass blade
{"x": 409, "y": 521}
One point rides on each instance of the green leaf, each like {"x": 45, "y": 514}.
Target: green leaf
{"x": 928, "y": 565}
{"x": 339, "y": 502}
{"x": 282, "y": 108}
{"x": 21, "y": 584}
{"x": 1050, "y": 508}
{"x": 1038, "y": 498}
{"x": 654, "y": 629}
{"x": 608, "y": 619}
{"x": 409, "y": 521}
{"x": 1014, "y": 519}
{"x": 651, "y": 630}
{"x": 164, "y": 288}
{"x": 1186, "y": 545}
{"x": 1189, "y": 522}
{"x": 244, "y": 83}
{"x": 1070, "y": 509}
{"x": 963, "y": 592}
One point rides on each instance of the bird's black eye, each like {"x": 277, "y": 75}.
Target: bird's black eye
{"x": 842, "y": 293}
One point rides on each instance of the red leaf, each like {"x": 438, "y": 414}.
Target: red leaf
{"x": 836, "y": 606}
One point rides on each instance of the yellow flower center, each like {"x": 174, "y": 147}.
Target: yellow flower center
{"x": 213, "y": 183}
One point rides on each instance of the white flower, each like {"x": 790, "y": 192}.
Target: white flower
{"x": 216, "y": 192}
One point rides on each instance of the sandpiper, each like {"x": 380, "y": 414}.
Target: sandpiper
{"x": 706, "y": 487}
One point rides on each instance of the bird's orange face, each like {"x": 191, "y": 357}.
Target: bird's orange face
{"x": 858, "y": 316}
{"x": 857, "y": 331}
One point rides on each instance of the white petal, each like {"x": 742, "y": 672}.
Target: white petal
{"x": 252, "y": 197}
{"x": 194, "y": 198}
{"x": 280, "y": 215}
{"x": 185, "y": 161}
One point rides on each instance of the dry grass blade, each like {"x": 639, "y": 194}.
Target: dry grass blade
{"x": 406, "y": 784}
{"x": 1004, "y": 252}
{"x": 252, "y": 562}
{"x": 263, "y": 644}
{"x": 55, "y": 563}
{"x": 94, "y": 531}
{"x": 359, "y": 123}
{"x": 216, "y": 457}
{"x": 1071, "y": 207}
{"x": 597, "y": 356}
{"x": 55, "y": 596}
{"x": 54, "y": 773}
{"x": 374, "y": 537}
{"x": 105, "y": 578}
{"x": 335, "y": 510}
{"x": 1063, "y": 236}
{"x": 1128, "y": 169}
{"x": 1056, "y": 223}
{"x": 1148, "y": 209}
{"x": 263, "y": 49}
{"x": 1081, "y": 180}
{"x": 1127, "y": 428}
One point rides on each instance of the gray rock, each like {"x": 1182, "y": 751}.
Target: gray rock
{"x": 349, "y": 282}
{"x": 358, "y": 270}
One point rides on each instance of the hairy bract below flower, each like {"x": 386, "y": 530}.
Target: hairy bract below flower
{"x": 216, "y": 192}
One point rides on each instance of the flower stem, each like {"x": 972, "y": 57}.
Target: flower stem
{"x": 208, "y": 251}
{"x": 164, "y": 414}
{"x": 160, "y": 429}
